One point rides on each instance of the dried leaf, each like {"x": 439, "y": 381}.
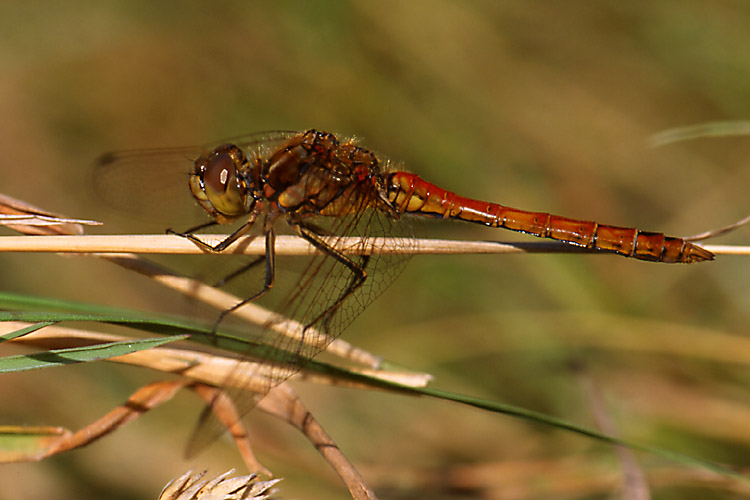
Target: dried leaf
{"x": 28, "y": 219}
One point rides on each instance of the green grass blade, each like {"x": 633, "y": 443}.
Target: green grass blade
{"x": 24, "y": 331}
{"x": 541, "y": 418}
{"x": 58, "y": 357}
{"x": 204, "y": 335}
{"x": 163, "y": 326}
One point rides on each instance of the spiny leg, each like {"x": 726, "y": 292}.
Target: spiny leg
{"x": 270, "y": 260}
{"x": 358, "y": 272}
{"x": 223, "y": 244}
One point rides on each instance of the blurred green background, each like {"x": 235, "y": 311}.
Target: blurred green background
{"x": 546, "y": 106}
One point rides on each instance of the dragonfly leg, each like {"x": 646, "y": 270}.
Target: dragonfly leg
{"x": 358, "y": 272}
{"x": 223, "y": 244}
{"x": 189, "y": 234}
{"x": 270, "y": 260}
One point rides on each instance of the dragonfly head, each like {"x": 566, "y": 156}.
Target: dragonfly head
{"x": 218, "y": 185}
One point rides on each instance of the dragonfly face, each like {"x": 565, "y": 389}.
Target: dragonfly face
{"x": 218, "y": 184}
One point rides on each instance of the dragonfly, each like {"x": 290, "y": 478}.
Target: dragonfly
{"x": 326, "y": 189}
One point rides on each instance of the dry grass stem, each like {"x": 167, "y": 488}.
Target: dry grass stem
{"x": 50, "y": 441}
{"x": 284, "y": 403}
{"x": 250, "y": 245}
{"x": 294, "y": 245}
{"x": 29, "y": 219}
{"x": 210, "y": 371}
{"x": 194, "y": 289}
{"x": 200, "y": 366}
{"x": 250, "y": 312}
{"x": 712, "y": 233}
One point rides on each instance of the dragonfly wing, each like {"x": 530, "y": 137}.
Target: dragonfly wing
{"x": 315, "y": 297}
{"x": 151, "y": 185}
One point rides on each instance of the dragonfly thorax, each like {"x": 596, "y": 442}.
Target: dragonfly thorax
{"x": 218, "y": 185}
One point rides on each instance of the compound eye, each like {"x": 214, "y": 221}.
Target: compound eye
{"x": 219, "y": 173}
{"x": 221, "y": 187}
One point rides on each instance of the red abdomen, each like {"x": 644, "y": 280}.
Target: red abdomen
{"x": 411, "y": 194}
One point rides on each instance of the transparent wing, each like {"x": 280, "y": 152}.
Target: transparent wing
{"x": 307, "y": 288}
{"x": 151, "y": 185}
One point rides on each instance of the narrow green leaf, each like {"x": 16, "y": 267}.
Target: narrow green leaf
{"x": 24, "y": 331}
{"x": 202, "y": 334}
{"x": 522, "y": 413}
{"x": 163, "y": 325}
{"x": 585, "y": 431}
{"x": 58, "y": 357}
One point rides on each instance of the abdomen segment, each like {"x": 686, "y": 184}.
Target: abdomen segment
{"x": 411, "y": 194}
